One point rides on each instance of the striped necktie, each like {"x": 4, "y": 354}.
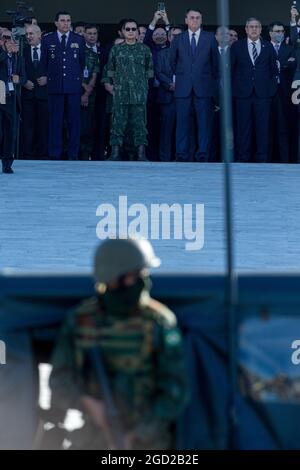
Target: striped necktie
{"x": 35, "y": 57}
{"x": 254, "y": 52}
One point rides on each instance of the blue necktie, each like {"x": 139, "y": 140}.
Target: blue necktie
{"x": 193, "y": 44}
{"x": 63, "y": 41}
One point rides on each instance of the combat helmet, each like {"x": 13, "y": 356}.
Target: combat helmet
{"x": 117, "y": 257}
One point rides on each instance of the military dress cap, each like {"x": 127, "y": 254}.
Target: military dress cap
{"x": 117, "y": 257}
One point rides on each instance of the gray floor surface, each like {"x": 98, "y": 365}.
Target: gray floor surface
{"x": 48, "y": 213}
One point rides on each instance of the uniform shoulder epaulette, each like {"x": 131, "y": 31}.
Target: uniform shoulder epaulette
{"x": 162, "y": 314}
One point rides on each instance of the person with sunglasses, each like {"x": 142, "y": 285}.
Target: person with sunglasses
{"x": 129, "y": 67}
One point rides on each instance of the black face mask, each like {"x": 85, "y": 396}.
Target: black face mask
{"x": 122, "y": 301}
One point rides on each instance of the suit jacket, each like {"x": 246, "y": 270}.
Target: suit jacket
{"x": 18, "y": 69}
{"x": 287, "y": 68}
{"x": 164, "y": 75}
{"x": 32, "y": 74}
{"x": 196, "y": 74}
{"x": 63, "y": 69}
{"x": 294, "y": 35}
{"x": 247, "y": 78}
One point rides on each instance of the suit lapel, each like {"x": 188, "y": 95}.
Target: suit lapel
{"x": 201, "y": 41}
{"x": 187, "y": 43}
{"x": 262, "y": 50}
{"x": 247, "y": 51}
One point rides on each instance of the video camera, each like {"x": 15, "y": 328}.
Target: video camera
{"x": 20, "y": 16}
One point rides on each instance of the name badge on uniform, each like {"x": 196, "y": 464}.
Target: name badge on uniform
{"x": 10, "y": 86}
{"x": 86, "y": 73}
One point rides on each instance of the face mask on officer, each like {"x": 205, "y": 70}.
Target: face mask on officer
{"x": 122, "y": 299}
{"x": 278, "y": 37}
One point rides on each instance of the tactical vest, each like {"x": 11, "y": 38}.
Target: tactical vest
{"x": 129, "y": 348}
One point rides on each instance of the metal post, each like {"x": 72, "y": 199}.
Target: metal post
{"x": 231, "y": 281}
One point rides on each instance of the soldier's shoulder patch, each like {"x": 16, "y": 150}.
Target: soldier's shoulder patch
{"x": 162, "y": 314}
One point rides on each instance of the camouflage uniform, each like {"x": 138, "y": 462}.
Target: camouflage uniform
{"x": 88, "y": 114}
{"x": 130, "y": 67}
{"x": 144, "y": 360}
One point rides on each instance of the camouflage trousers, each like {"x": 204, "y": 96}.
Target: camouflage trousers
{"x": 131, "y": 119}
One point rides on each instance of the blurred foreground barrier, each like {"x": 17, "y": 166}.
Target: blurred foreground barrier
{"x": 33, "y": 307}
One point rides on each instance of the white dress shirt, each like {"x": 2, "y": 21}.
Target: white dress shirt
{"x": 38, "y": 51}
{"x": 61, "y": 34}
{"x": 250, "y": 48}
{"x": 94, "y": 48}
{"x": 225, "y": 49}
{"x": 197, "y": 35}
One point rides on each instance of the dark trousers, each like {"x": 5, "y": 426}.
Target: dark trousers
{"x": 252, "y": 118}
{"x": 204, "y": 111}
{"x": 59, "y": 106}
{"x": 153, "y": 124}
{"x": 35, "y": 128}
{"x": 87, "y": 131}
{"x": 101, "y": 130}
{"x": 280, "y": 142}
{"x": 7, "y": 132}
{"x": 167, "y": 125}
{"x": 215, "y": 144}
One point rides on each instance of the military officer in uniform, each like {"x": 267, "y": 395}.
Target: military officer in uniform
{"x": 142, "y": 350}
{"x": 129, "y": 66}
{"x": 88, "y": 100}
{"x": 62, "y": 65}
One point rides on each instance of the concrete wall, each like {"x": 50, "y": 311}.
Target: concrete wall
{"x": 111, "y": 11}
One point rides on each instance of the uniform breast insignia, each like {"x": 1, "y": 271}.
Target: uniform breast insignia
{"x": 74, "y": 45}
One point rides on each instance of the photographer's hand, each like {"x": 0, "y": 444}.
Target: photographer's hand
{"x": 294, "y": 14}
{"x": 157, "y": 16}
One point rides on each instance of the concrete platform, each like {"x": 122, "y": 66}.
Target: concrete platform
{"x": 48, "y": 213}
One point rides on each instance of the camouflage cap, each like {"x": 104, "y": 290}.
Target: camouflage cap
{"x": 117, "y": 257}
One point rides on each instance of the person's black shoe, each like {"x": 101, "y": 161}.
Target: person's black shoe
{"x": 141, "y": 154}
{"x": 115, "y": 155}
{"x": 8, "y": 171}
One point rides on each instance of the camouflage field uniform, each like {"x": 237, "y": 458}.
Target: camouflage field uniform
{"x": 144, "y": 361}
{"x": 130, "y": 67}
{"x": 88, "y": 114}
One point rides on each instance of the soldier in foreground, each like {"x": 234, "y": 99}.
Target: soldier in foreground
{"x": 119, "y": 357}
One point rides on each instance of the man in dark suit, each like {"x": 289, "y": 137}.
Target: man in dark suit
{"x": 294, "y": 25}
{"x": 156, "y": 38}
{"x": 100, "y": 123}
{"x": 62, "y": 65}
{"x": 166, "y": 99}
{"x": 282, "y": 108}
{"x": 12, "y": 75}
{"x": 34, "y": 100}
{"x": 223, "y": 40}
{"x": 254, "y": 74}
{"x": 194, "y": 61}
